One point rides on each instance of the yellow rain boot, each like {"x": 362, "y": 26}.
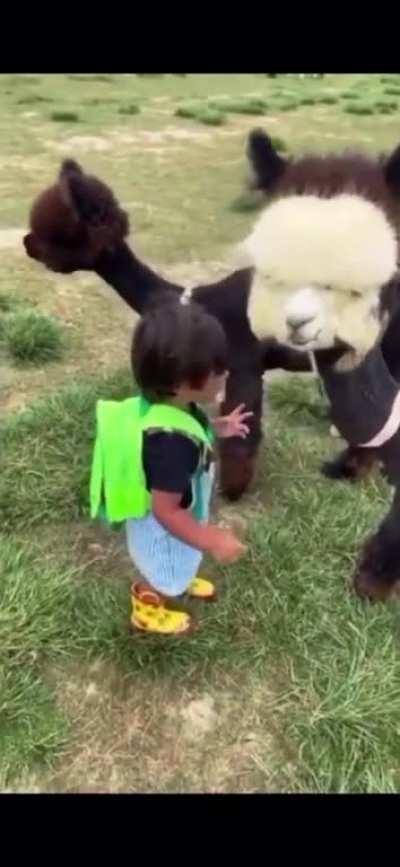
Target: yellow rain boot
{"x": 149, "y": 614}
{"x": 200, "y": 588}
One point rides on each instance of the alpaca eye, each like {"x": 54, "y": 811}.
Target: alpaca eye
{"x": 355, "y": 294}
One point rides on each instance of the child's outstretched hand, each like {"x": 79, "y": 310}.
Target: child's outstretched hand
{"x": 233, "y": 425}
{"x": 225, "y": 547}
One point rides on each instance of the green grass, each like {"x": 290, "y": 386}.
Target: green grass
{"x": 279, "y": 144}
{"x": 359, "y": 109}
{"x": 247, "y": 201}
{"x": 59, "y": 431}
{"x": 9, "y": 302}
{"x": 137, "y": 173}
{"x": 34, "y": 624}
{"x": 33, "y": 99}
{"x": 188, "y": 111}
{"x": 385, "y": 107}
{"x": 129, "y": 109}
{"x": 201, "y": 112}
{"x": 288, "y": 105}
{"x": 335, "y": 662}
{"x": 327, "y": 100}
{"x": 32, "y": 337}
{"x": 65, "y": 116}
{"x": 214, "y": 110}
{"x": 211, "y": 117}
{"x": 351, "y": 94}
{"x": 20, "y": 80}
{"x": 308, "y": 100}
{"x": 88, "y": 78}
{"x": 99, "y": 100}
{"x": 240, "y": 106}
{"x": 103, "y": 77}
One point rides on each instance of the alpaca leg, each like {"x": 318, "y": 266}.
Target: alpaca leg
{"x": 238, "y": 457}
{"x": 353, "y": 464}
{"x": 378, "y": 573}
{"x": 237, "y": 468}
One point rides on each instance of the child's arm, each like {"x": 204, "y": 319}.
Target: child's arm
{"x": 232, "y": 425}
{"x": 221, "y": 544}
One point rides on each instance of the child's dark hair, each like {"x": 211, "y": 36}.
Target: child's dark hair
{"x": 176, "y": 343}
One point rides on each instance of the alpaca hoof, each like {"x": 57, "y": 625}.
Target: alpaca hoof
{"x": 232, "y": 494}
{"x": 367, "y": 586}
{"x": 339, "y": 470}
{"x": 370, "y": 581}
{"x": 352, "y": 465}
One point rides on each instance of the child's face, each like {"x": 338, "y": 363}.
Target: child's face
{"x": 212, "y": 391}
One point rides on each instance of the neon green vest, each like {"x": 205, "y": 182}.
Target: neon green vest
{"x": 118, "y": 483}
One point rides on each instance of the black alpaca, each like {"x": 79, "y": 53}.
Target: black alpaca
{"x": 362, "y": 387}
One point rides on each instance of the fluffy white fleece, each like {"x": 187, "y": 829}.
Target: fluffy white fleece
{"x": 344, "y": 248}
{"x": 345, "y": 242}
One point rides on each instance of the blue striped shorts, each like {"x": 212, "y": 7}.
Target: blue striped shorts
{"x": 168, "y": 564}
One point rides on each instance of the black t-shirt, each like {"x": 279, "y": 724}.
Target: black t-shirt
{"x": 171, "y": 459}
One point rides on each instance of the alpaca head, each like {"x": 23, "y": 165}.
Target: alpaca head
{"x": 324, "y": 247}
{"x": 74, "y": 221}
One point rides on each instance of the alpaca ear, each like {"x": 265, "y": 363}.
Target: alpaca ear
{"x": 266, "y": 164}
{"x": 69, "y": 169}
{"x": 88, "y": 199}
{"x": 92, "y": 203}
{"x": 392, "y": 172}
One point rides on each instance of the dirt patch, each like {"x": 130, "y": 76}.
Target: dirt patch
{"x": 12, "y": 239}
{"x": 190, "y": 274}
{"x": 199, "y": 718}
{"x": 333, "y": 135}
{"x": 8, "y": 379}
{"x": 118, "y": 138}
{"x": 139, "y": 734}
{"x": 80, "y": 142}
{"x": 164, "y": 136}
{"x": 94, "y": 550}
{"x": 24, "y": 164}
{"x": 155, "y": 140}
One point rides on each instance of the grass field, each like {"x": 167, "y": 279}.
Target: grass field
{"x": 291, "y": 684}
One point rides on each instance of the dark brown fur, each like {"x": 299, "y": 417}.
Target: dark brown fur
{"x": 377, "y": 180}
{"x": 73, "y": 221}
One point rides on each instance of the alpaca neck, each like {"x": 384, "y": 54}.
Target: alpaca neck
{"x": 390, "y": 345}
{"x": 135, "y": 282}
